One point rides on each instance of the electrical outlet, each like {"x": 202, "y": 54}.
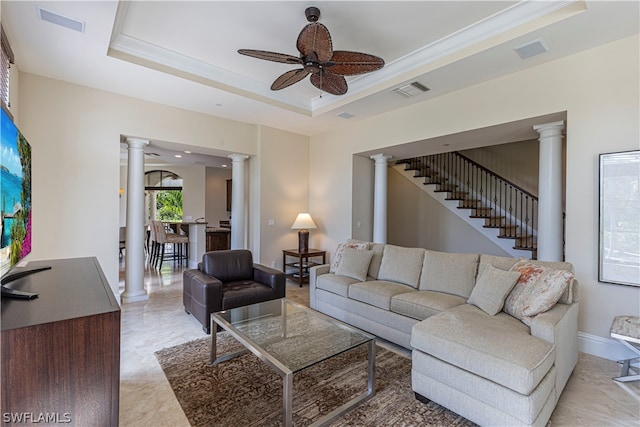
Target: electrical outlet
{"x": 271, "y": 222}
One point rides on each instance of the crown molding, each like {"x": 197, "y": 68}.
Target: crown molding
{"x": 516, "y": 20}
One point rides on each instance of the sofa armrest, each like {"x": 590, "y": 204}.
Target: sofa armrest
{"x": 314, "y": 272}
{"x": 559, "y": 326}
{"x": 271, "y": 277}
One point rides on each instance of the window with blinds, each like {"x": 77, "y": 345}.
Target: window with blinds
{"x": 5, "y": 65}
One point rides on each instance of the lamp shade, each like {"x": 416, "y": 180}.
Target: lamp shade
{"x": 303, "y": 222}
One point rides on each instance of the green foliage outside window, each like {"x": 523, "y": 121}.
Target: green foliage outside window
{"x": 169, "y": 205}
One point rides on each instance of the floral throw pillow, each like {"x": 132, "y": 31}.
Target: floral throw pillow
{"x": 337, "y": 257}
{"x": 538, "y": 289}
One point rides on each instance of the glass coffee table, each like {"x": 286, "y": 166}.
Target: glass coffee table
{"x": 290, "y": 337}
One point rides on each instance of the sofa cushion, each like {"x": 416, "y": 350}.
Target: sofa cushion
{"x": 376, "y": 260}
{"x": 422, "y": 304}
{"x": 491, "y": 289}
{"x": 337, "y": 257}
{"x": 335, "y": 284}
{"x": 538, "y": 289}
{"x": 377, "y": 293}
{"x": 453, "y": 273}
{"x": 402, "y": 265}
{"x": 355, "y": 263}
{"x": 498, "y": 348}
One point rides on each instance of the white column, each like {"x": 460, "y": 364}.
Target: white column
{"x": 550, "y": 233}
{"x": 238, "y": 211}
{"x": 380, "y": 198}
{"x": 134, "y": 255}
{"x": 153, "y": 208}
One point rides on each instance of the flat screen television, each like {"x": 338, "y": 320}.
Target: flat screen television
{"x": 15, "y": 206}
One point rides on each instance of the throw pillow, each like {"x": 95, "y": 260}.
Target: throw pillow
{"x": 538, "y": 289}
{"x": 492, "y": 289}
{"x": 355, "y": 263}
{"x": 452, "y": 273}
{"x": 402, "y": 265}
{"x": 337, "y": 257}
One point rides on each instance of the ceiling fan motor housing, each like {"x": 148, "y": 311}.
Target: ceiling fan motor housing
{"x": 312, "y": 14}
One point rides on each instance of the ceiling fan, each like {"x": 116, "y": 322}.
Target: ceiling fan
{"x": 326, "y": 66}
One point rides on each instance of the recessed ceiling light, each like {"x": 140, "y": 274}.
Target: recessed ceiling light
{"x": 224, "y": 166}
{"x": 178, "y": 156}
{"x": 187, "y": 152}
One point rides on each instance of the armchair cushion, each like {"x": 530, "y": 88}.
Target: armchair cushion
{"x": 228, "y": 266}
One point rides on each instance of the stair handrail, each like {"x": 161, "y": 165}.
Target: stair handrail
{"x": 478, "y": 165}
{"x": 457, "y": 168}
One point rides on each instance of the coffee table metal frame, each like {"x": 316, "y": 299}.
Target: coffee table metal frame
{"x": 285, "y": 372}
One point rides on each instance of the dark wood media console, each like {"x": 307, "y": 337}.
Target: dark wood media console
{"x": 61, "y": 351}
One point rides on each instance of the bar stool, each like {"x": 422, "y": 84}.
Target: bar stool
{"x": 626, "y": 329}
{"x": 160, "y": 238}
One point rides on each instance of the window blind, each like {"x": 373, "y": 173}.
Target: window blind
{"x": 6, "y": 60}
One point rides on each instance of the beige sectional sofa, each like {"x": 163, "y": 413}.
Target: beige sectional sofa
{"x": 494, "y": 339}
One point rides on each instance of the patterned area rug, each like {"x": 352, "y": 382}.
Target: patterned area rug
{"x": 244, "y": 391}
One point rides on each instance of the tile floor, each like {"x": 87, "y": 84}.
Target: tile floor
{"x": 590, "y": 398}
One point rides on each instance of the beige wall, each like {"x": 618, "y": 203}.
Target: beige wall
{"x": 598, "y": 89}
{"x": 517, "y": 162}
{"x": 432, "y": 225}
{"x": 283, "y": 190}
{"x": 216, "y": 196}
{"x": 75, "y": 133}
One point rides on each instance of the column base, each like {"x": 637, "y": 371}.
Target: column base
{"x": 126, "y": 298}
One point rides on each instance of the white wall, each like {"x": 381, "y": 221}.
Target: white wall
{"x": 598, "y": 89}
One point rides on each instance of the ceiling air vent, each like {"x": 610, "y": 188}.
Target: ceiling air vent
{"x": 63, "y": 21}
{"x": 345, "y": 115}
{"x": 411, "y": 89}
{"x": 530, "y": 49}
{"x": 152, "y": 154}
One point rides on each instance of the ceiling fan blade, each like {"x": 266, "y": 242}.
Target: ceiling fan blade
{"x": 352, "y": 63}
{"x": 315, "y": 38}
{"x": 271, "y": 56}
{"x": 289, "y": 78}
{"x": 329, "y": 82}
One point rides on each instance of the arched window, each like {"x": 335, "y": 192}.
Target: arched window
{"x": 162, "y": 180}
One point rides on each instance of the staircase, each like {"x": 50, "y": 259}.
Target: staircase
{"x": 506, "y": 208}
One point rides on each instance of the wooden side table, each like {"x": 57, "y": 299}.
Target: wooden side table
{"x": 299, "y": 269}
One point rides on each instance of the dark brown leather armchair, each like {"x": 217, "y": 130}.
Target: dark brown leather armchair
{"x": 228, "y": 279}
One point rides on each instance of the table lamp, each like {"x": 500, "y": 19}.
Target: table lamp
{"x": 303, "y": 223}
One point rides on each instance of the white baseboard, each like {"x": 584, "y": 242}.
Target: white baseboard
{"x": 607, "y": 348}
